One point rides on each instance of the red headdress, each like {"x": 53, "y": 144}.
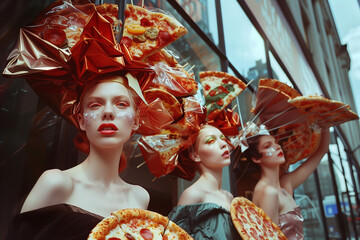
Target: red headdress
{"x": 71, "y": 47}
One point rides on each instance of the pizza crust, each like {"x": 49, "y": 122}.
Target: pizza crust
{"x": 137, "y": 224}
{"x": 324, "y": 112}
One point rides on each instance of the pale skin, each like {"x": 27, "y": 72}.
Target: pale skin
{"x": 273, "y": 193}
{"x": 95, "y": 185}
{"x": 211, "y": 154}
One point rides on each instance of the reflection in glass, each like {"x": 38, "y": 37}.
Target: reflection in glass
{"x": 278, "y": 72}
{"x": 203, "y": 13}
{"x": 307, "y": 198}
{"x": 244, "y": 45}
{"x": 191, "y": 46}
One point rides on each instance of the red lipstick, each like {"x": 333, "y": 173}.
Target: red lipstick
{"x": 226, "y": 154}
{"x": 107, "y": 128}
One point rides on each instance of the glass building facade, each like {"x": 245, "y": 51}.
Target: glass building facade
{"x": 226, "y": 36}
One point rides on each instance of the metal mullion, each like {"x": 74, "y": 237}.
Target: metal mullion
{"x": 350, "y": 159}
{"x": 339, "y": 216}
{"x": 221, "y": 36}
{"x": 347, "y": 192}
{"x": 323, "y": 217}
{"x": 267, "y": 56}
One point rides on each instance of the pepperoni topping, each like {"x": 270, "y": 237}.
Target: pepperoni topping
{"x": 114, "y": 238}
{"x": 129, "y": 236}
{"x": 145, "y": 22}
{"x": 164, "y": 38}
{"x": 126, "y": 41}
{"x": 207, "y": 87}
{"x": 55, "y": 35}
{"x": 240, "y": 210}
{"x": 225, "y": 81}
{"x": 220, "y": 102}
{"x": 212, "y": 93}
{"x": 221, "y": 89}
{"x": 146, "y": 234}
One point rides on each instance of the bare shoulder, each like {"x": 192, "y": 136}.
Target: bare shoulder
{"x": 228, "y": 195}
{"x": 263, "y": 192}
{"x": 141, "y": 195}
{"x": 191, "y": 195}
{"x": 53, "y": 187}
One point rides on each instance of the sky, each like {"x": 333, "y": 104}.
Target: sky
{"x": 346, "y": 15}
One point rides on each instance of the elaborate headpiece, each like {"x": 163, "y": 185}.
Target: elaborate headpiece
{"x": 293, "y": 120}
{"x": 71, "y": 47}
{"x": 169, "y": 152}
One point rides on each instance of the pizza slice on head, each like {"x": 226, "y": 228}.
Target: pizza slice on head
{"x": 280, "y": 86}
{"x": 147, "y": 32}
{"x": 170, "y": 75}
{"x": 171, "y": 104}
{"x": 324, "y": 112}
{"x": 220, "y": 89}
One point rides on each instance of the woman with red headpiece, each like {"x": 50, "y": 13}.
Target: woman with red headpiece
{"x": 204, "y": 208}
{"x": 92, "y": 87}
{"x": 274, "y": 191}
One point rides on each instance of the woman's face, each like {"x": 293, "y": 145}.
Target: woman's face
{"x": 211, "y": 149}
{"x": 271, "y": 152}
{"x": 108, "y": 116}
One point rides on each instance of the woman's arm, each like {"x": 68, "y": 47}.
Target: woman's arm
{"x": 297, "y": 177}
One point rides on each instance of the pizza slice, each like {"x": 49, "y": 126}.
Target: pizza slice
{"x": 171, "y": 104}
{"x": 280, "y": 86}
{"x": 62, "y": 23}
{"x": 252, "y": 222}
{"x": 274, "y": 110}
{"x": 324, "y": 112}
{"x": 174, "y": 232}
{"x": 170, "y": 75}
{"x": 146, "y": 32}
{"x": 220, "y": 89}
{"x": 295, "y": 140}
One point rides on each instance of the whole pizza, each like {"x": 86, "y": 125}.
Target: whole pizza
{"x": 252, "y": 222}
{"x": 137, "y": 224}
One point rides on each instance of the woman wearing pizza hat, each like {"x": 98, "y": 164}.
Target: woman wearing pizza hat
{"x": 204, "y": 208}
{"x": 93, "y": 86}
{"x": 274, "y": 190}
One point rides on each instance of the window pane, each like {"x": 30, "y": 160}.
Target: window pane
{"x": 345, "y": 184}
{"x": 278, "y": 72}
{"x": 244, "y": 45}
{"x": 203, "y": 13}
{"x": 307, "y": 198}
{"x": 191, "y": 46}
